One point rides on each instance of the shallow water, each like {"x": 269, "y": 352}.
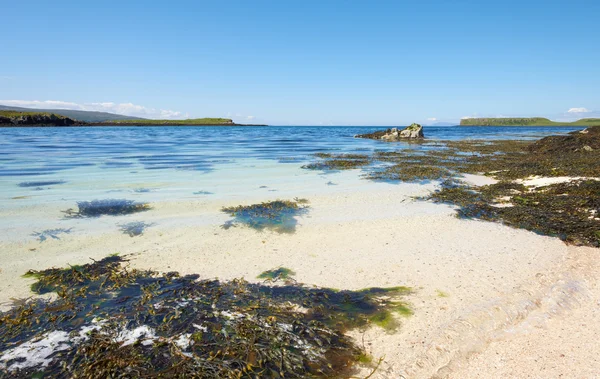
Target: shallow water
{"x": 59, "y": 167}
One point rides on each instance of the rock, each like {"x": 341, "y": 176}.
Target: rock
{"x": 587, "y": 140}
{"x": 411, "y": 132}
{"x": 41, "y": 119}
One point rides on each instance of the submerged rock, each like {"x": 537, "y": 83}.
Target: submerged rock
{"x": 413, "y": 131}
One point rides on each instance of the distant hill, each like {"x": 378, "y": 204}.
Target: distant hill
{"x": 526, "y": 121}
{"x": 188, "y": 122}
{"x": 13, "y": 118}
{"x": 86, "y": 116}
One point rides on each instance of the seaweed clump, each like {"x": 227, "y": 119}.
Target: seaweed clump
{"x": 338, "y": 162}
{"x": 112, "y": 321}
{"x": 276, "y": 274}
{"x": 410, "y": 173}
{"x": 107, "y": 207}
{"x": 569, "y": 211}
{"x": 134, "y": 228}
{"x": 278, "y": 215}
{"x": 41, "y": 183}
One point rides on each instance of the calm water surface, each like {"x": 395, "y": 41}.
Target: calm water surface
{"x": 67, "y": 164}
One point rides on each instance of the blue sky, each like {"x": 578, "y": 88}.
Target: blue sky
{"x": 305, "y": 62}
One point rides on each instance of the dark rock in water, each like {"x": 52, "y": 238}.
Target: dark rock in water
{"x": 586, "y": 140}
{"x": 411, "y": 132}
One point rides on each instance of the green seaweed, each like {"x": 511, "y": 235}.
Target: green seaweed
{"x": 338, "y": 162}
{"x": 277, "y": 274}
{"x": 567, "y": 211}
{"x": 278, "y": 215}
{"x": 230, "y": 329}
{"x": 106, "y": 207}
{"x": 441, "y": 293}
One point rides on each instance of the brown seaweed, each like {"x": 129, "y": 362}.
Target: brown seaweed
{"x": 107, "y": 207}
{"x": 190, "y": 327}
{"x": 279, "y": 215}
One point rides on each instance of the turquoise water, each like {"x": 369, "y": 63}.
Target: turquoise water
{"x": 33, "y": 153}
{"x": 66, "y": 165}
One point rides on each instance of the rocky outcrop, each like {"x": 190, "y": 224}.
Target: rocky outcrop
{"x": 414, "y": 131}
{"x": 587, "y": 140}
{"x": 37, "y": 120}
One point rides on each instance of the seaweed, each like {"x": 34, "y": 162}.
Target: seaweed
{"x": 41, "y": 183}
{"x": 338, "y": 162}
{"x": 279, "y": 215}
{"x": 113, "y": 321}
{"x": 106, "y": 207}
{"x": 52, "y": 233}
{"x": 203, "y": 193}
{"x": 277, "y": 274}
{"x": 568, "y": 210}
{"x": 134, "y": 228}
{"x": 410, "y": 173}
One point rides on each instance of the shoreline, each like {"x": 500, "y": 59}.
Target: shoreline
{"x": 349, "y": 240}
{"x": 477, "y": 287}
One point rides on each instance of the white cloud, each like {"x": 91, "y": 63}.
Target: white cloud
{"x": 432, "y": 119}
{"x": 127, "y": 109}
{"x": 578, "y": 110}
{"x": 250, "y": 117}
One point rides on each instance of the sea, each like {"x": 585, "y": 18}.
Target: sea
{"x": 45, "y": 171}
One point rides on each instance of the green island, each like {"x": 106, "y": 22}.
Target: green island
{"x": 191, "y": 121}
{"x": 16, "y": 118}
{"x": 526, "y": 121}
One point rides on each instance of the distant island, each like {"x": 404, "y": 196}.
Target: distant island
{"x": 526, "y": 121}
{"x": 86, "y": 116}
{"x": 15, "y": 118}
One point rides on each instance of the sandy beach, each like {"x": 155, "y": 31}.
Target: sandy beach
{"x": 488, "y": 301}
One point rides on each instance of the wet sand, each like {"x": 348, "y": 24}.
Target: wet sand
{"x": 489, "y": 300}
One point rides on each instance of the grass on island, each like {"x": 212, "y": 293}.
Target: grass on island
{"x": 14, "y": 114}
{"x": 112, "y": 320}
{"x": 193, "y": 121}
{"x": 279, "y": 215}
{"x": 526, "y": 121}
